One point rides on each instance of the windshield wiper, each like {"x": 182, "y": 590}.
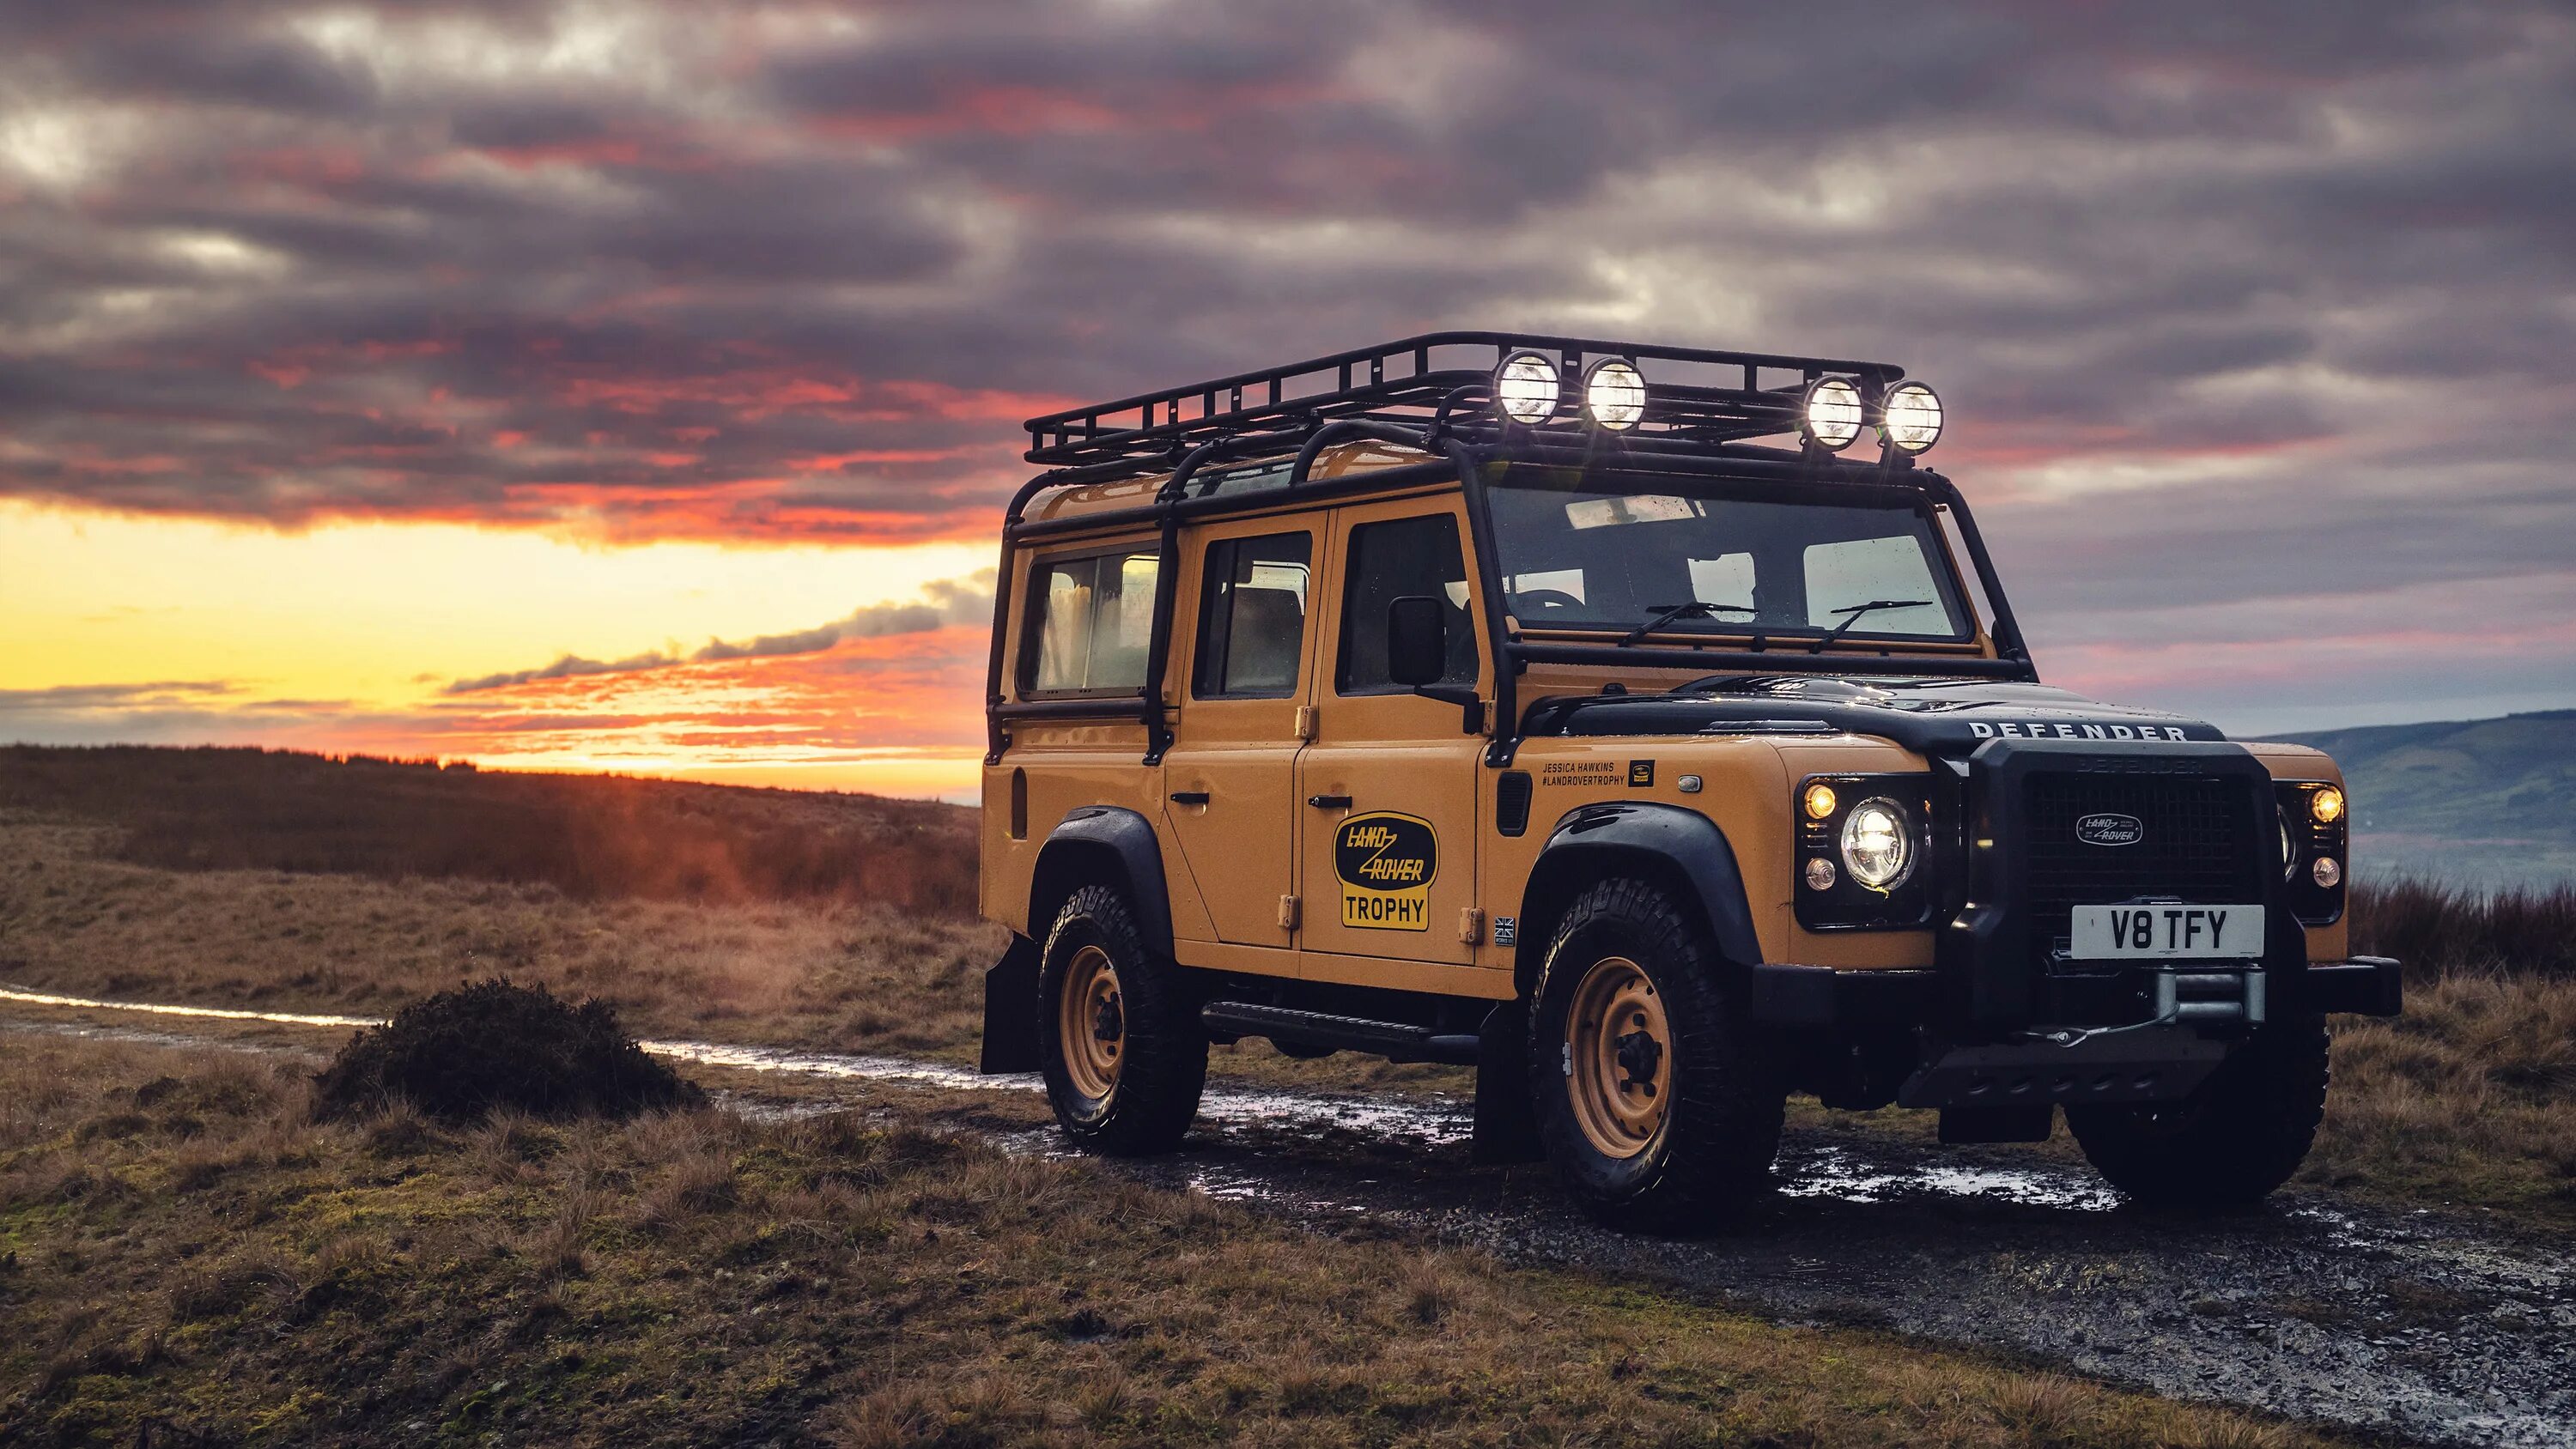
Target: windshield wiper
{"x": 1667, "y": 613}
{"x": 1858, "y": 612}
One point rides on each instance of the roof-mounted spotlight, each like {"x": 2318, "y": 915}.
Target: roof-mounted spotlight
{"x": 1910, "y": 417}
{"x": 1614, "y": 392}
{"x": 1831, "y": 416}
{"x": 1527, "y": 387}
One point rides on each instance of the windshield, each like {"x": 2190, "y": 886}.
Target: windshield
{"x": 1749, "y": 560}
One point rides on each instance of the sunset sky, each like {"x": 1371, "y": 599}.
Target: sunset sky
{"x": 635, "y": 386}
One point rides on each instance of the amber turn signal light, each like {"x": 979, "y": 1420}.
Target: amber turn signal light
{"x": 1820, "y": 801}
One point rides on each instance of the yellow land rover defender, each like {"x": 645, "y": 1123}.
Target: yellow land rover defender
{"x": 1498, "y": 700}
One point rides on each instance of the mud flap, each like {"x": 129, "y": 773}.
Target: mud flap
{"x": 1506, "y": 1119}
{"x": 1011, "y": 1010}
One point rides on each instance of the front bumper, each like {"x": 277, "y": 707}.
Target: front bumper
{"x": 2187, "y": 1021}
{"x": 1857, "y": 1000}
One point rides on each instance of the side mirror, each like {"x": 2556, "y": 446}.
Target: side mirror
{"x": 1417, "y": 654}
{"x": 1417, "y": 640}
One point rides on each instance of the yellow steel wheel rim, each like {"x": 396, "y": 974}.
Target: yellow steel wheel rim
{"x": 1091, "y": 1023}
{"x": 1618, "y": 1058}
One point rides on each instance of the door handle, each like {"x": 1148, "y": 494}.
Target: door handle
{"x": 1329, "y": 802}
{"x": 1189, "y": 797}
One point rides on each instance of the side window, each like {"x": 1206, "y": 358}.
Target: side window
{"x": 1387, "y": 562}
{"x": 1252, "y": 616}
{"x": 1092, "y": 623}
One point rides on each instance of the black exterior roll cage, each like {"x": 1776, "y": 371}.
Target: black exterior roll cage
{"x": 1394, "y": 394}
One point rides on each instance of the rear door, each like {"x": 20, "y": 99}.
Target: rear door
{"x": 1230, "y": 772}
{"x": 1387, "y": 789}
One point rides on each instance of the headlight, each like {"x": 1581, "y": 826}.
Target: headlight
{"x": 1614, "y": 392}
{"x": 1526, "y": 386}
{"x": 1878, "y": 844}
{"x": 1910, "y": 418}
{"x": 1830, "y": 416}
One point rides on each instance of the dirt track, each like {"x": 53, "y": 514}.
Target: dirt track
{"x": 2419, "y": 1324}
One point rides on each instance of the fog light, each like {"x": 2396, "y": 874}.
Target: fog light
{"x": 2325, "y": 872}
{"x": 1831, "y": 414}
{"x": 1820, "y": 874}
{"x": 1615, "y": 394}
{"x": 1527, "y": 388}
{"x": 2326, "y": 805}
{"x": 1820, "y": 801}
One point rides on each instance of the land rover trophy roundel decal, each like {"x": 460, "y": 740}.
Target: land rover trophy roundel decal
{"x": 2110, "y": 829}
{"x": 1386, "y": 862}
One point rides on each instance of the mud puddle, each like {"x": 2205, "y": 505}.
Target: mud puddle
{"x": 2419, "y": 1324}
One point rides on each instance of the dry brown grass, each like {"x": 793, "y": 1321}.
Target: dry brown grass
{"x": 808, "y": 973}
{"x": 590, "y": 837}
{"x": 2467, "y": 1099}
{"x": 693, "y": 1278}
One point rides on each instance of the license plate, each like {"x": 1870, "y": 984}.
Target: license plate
{"x": 2158, "y": 933}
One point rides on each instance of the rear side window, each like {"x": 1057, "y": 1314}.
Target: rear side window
{"x": 1252, "y": 617}
{"x": 1091, "y": 623}
{"x": 1388, "y": 561}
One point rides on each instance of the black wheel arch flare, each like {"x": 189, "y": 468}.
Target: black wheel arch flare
{"x": 1681, "y": 850}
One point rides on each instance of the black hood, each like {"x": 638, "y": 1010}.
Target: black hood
{"x": 1947, "y": 717}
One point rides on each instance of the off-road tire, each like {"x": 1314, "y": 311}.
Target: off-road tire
{"x": 1711, "y": 1157}
{"x": 2232, "y": 1141}
{"x": 1164, "y": 1051}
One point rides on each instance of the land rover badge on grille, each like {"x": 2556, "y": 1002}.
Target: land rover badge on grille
{"x": 2110, "y": 829}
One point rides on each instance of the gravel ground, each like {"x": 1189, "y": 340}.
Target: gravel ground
{"x": 2421, "y": 1324}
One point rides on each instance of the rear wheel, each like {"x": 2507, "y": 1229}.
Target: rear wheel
{"x": 1659, "y": 1106}
{"x": 1123, "y": 1052}
{"x": 2231, "y": 1142}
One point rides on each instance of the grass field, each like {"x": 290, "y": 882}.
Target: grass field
{"x": 2470, "y": 1099}
{"x": 188, "y": 1258}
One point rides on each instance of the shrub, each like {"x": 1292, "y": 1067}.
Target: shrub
{"x": 462, "y": 1054}
{"x": 2442, "y": 930}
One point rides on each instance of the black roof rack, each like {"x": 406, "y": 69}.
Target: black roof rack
{"x": 1693, "y": 395}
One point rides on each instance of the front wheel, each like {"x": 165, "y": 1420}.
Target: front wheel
{"x": 1122, "y": 1049}
{"x": 1659, "y": 1105}
{"x": 2231, "y": 1142}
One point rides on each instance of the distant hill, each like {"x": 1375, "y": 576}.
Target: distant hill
{"x": 2488, "y": 802}
{"x": 590, "y": 836}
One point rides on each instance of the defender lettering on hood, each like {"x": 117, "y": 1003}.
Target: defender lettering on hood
{"x": 1948, "y": 717}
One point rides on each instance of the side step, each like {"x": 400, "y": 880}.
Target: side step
{"x": 1393, "y": 1040}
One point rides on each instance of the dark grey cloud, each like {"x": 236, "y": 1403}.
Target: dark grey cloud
{"x": 944, "y": 602}
{"x": 2231, "y": 301}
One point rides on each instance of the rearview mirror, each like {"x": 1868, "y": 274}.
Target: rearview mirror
{"x": 1417, "y": 640}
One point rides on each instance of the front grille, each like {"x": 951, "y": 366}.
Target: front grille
{"x": 2199, "y": 842}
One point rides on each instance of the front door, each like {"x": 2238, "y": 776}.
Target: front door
{"x": 1229, "y": 773}
{"x": 1387, "y": 860}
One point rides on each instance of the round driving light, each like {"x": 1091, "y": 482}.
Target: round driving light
{"x": 1878, "y": 844}
{"x": 1614, "y": 392}
{"x": 1820, "y": 801}
{"x": 1820, "y": 874}
{"x": 1830, "y": 416}
{"x": 1526, "y": 386}
{"x": 2325, "y": 872}
{"x": 1910, "y": 419}
{"x": 2326, "y": 805}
